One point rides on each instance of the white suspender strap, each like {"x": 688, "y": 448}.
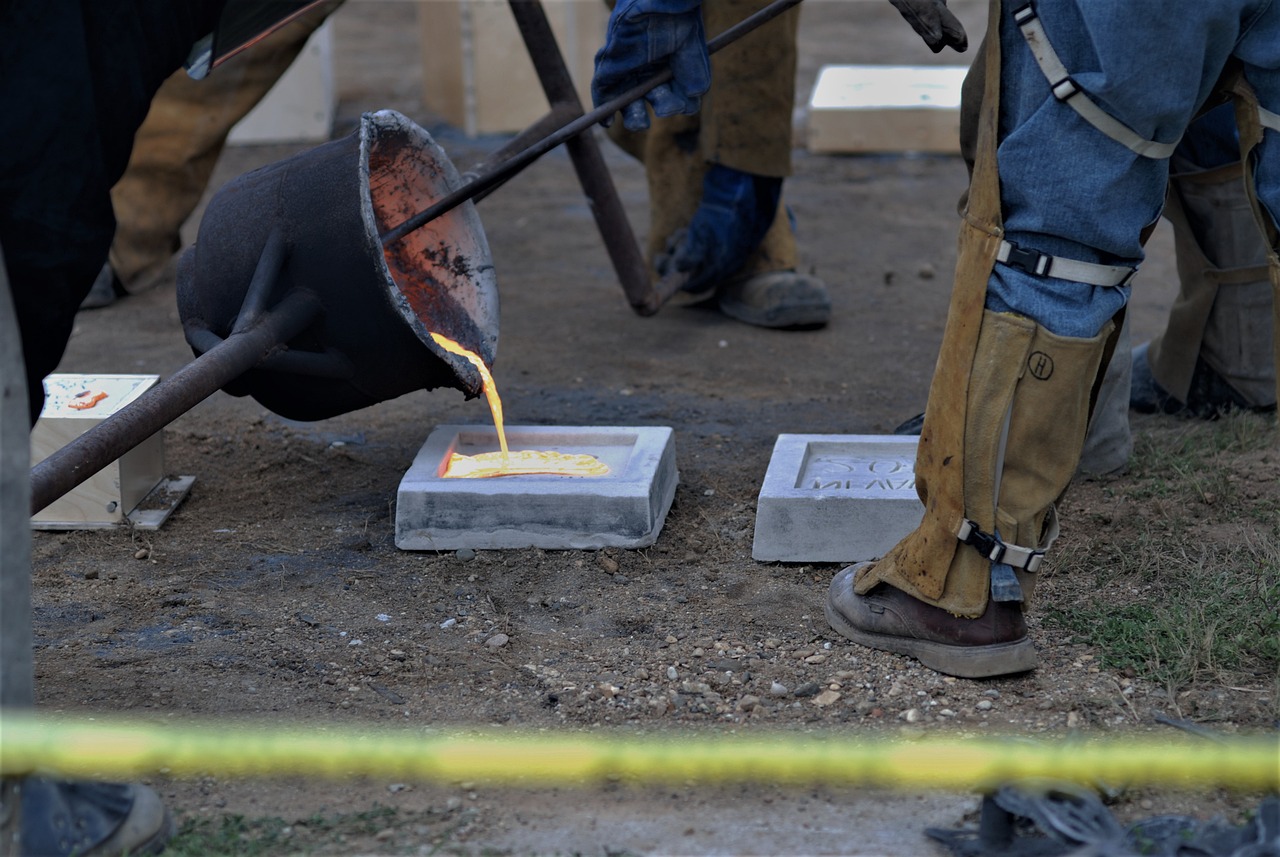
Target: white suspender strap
{"x": 1044, "y": 265}
{"x": 1269, "y": 119}
{"x": 1066, "y": 91}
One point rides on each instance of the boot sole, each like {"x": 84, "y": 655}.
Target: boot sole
{"x": 797, "y": 316}
{"x": 961, "y": 661}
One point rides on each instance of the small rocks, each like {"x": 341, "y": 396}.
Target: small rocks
{"x": 672, "y": 673}
{"x": 142, "y": 553}
{"x": 497, "y": 641}
{"x": 983, "y": 705}
{"x": 465, "y": 554}
{"x": 827, "y": 697}
{"x": 607, "y": 563}
{"x": 809, "y": 688}
{"x": 777, "y": 688}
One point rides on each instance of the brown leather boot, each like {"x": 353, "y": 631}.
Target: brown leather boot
{"x": 888, "y": 619}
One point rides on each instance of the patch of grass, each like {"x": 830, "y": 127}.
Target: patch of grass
{"x": 1215, "y": 617}
{"x": 1190, "y": 591}
{"x": 1195, "y": 461}
{"x": 230, "y": 835}
{"x": 237, "y": 836}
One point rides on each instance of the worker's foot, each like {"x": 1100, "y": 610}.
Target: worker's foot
{"x": 888, "y": 619}
{"x": 88, "y": 819}
{"x": 777, "y": 299}
{"x": 106, "y": 288}
{"x": 1209, "y": 395}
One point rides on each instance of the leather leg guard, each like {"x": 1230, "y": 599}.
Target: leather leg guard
{"x": 1216, "y": 352}
{"x": 1022, "y": 423}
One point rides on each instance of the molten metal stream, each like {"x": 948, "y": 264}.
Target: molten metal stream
{"x": 506, "y": 463}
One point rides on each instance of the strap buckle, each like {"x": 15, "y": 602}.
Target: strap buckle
{"x": 1064, "y": 89}
{"x": 990, "y": 546}
{"x": 1031, "y": 261}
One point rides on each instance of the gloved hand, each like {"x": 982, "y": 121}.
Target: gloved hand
{"x": 644, "y": 38}
{"x": 736, "y": 211}
{"x": 934, "y": 23}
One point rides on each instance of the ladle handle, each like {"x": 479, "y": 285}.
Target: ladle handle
{"x": 520, "y": 160}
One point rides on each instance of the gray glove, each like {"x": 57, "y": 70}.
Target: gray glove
{"x": 934, "y": 23}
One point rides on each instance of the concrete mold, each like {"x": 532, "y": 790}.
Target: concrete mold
{"x": 624, "y": 509}
{"x": 836, "y": 498}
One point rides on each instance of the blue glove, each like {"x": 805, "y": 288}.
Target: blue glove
{"x": 645, "y": 37}
{"x": 736, "y": 211}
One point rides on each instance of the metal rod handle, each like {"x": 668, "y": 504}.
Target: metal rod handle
{"x": 162, "y": 404}
{"x": 501, "y": 172}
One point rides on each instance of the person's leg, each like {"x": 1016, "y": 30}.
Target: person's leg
{"x": 1013, "y": 387}
{"x": 1215, "y": 352}
{"x": 39, "y": 815}
{"x": 715, "y": 181}
{"x": 178, "y": 146}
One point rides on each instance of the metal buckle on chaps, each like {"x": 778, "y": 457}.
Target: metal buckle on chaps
{"x": 991, "y": 547}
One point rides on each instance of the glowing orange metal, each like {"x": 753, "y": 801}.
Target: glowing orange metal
{"x": 524, "y": 462}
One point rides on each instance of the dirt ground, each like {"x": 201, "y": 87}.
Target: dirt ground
{"x": 250, "y": 601}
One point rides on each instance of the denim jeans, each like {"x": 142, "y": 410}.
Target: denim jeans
{"x": 1066, "y": 188}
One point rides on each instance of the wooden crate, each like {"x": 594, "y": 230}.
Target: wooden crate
{"x": 862, "y": 108}
{"x": 73, "y": 405}
{"x": 477, "y": 74}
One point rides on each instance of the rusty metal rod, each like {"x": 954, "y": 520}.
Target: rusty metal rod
{"x": 170, "y": 399}
{"x": 501, "y": 172}
{"x": 588, "y": 161}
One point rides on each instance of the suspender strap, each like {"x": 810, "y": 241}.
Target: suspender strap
{"x": 1268, "y": 119}
{"x": 1066, "y": 91}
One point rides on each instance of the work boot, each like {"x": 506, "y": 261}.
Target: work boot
{"x": 86, "y": 819}
{"x": 777, "y": 299}
{"x": 888, "y": 619}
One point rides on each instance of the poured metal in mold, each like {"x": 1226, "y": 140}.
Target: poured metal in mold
{"x": 624, "y": 508}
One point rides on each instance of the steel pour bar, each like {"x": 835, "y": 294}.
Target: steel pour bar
{"x": 584, "y": 152}
{"x": 162, "y": 404}
{"x": 500, "y": 172}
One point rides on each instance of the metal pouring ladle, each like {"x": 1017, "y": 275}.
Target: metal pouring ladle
{"x": 259, "y": 332}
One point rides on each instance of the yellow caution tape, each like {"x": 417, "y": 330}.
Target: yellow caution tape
{"x": 122, "y": 749}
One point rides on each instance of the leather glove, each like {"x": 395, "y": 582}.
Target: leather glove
{"x": 645, "y": 37}
{"x": 732, "y": 218}
{"x": 934, "y": 23}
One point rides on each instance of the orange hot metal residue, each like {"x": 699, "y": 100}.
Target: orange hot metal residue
{"x": 523, "y": 462}
{"x": 83, "y": 404}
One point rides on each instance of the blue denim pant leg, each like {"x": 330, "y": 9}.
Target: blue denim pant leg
{"x": 1066, "y": 188}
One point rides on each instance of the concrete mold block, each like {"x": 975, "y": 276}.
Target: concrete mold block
{"x": 624, "y": 509}
{"x": 836, "y": 498}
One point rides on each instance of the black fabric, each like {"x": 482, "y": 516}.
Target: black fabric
{"x": 76, "y": 80}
